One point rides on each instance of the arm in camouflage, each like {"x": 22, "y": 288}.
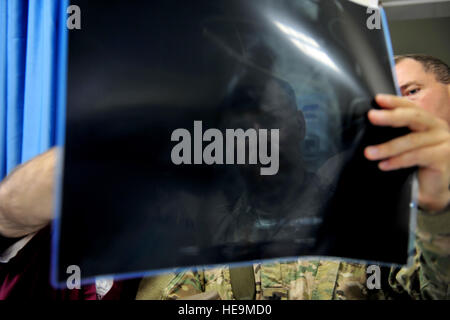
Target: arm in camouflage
{"x": 186, "y": 284}
{"x": 429, "y": 276}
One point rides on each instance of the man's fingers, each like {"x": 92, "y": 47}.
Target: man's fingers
{"x": 414, "y": 118}
{"x": 406, "y": 143}
{"x": 389, "y": 101}
{"x": 429, "y": 156}
{"x": 427, "y": 147}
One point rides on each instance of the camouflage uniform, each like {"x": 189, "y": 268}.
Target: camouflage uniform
{"x": 427, "y": 278}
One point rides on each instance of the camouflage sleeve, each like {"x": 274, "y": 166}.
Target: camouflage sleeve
{"x": 187, "y": 284}
{"x": 171, "y": 286}
{"x": 429, "y": 276}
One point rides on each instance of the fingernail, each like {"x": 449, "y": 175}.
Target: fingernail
{"x": 374, "y": 112}
{"x": 383, "y": 97}
{"x": 372, "y": 151}
{"x": 384, "y": 165}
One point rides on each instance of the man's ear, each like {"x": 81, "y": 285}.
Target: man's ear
{"x": 301, "y": 123}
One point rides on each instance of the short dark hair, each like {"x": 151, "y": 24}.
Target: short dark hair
{"x": 430, "y": 64}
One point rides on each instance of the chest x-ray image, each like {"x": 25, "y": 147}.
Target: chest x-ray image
{"x": 223, "y": 131}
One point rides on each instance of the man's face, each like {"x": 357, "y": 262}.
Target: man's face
{"x": 423, "y": 88}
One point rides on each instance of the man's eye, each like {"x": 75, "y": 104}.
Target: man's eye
{"x": 412, "y": 92}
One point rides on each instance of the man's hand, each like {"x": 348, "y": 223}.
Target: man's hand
{"x": 26, "y": 196}
{"x": 427, "y": 146}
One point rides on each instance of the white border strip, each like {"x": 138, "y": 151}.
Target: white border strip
{"x": 367, "y": 3}
{"x": 400, "y": 3}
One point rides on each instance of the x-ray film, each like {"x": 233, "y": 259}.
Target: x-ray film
{"x": 213, "y": 132}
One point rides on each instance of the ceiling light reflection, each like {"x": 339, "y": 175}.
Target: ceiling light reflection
{"x": 307, "y": 45}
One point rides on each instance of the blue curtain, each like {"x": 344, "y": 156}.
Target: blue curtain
{"x": 33, "y": 54}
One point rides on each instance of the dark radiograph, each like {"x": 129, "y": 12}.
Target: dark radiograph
{"x": 217, "y": 131}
